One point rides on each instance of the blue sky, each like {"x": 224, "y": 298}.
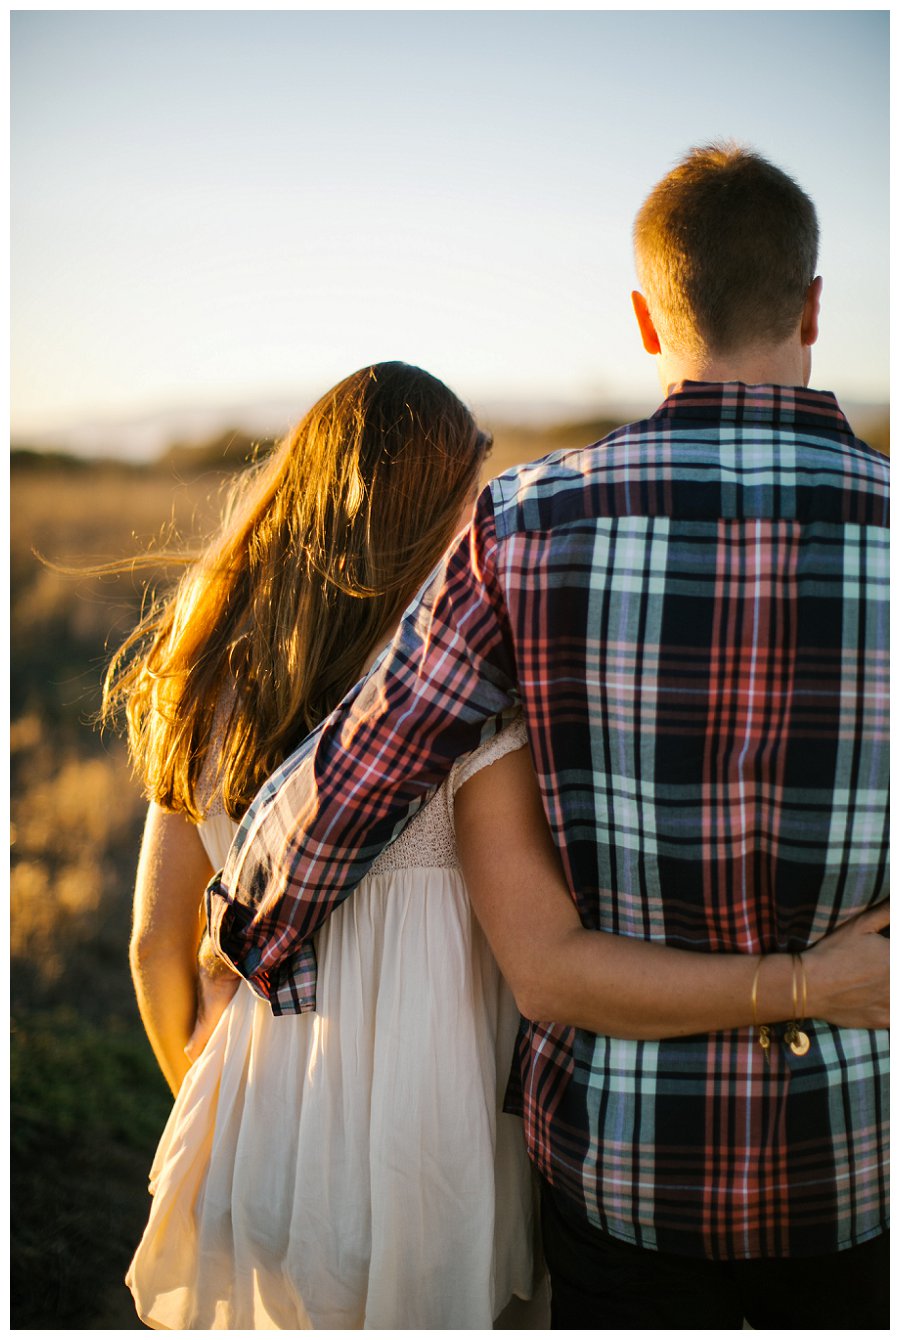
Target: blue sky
{"x": 221, "y": 209}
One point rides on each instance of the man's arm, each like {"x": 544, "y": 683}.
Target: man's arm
{"x": 335, "y": 804}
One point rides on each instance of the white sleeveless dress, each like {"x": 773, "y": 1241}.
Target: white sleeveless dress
{"x": 352, "y": 1168}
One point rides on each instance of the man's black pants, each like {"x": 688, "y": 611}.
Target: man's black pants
{"x": 600, "y": 1283}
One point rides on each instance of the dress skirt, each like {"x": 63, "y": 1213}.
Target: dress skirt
{"x": 351, "y": 1167}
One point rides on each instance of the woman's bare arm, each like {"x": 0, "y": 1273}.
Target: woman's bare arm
{"x": 623, "y": 987}
{"x": 173, "y": 872}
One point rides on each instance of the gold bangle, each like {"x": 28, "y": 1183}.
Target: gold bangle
{"x": 794, "y": 1036}
{"x": 803, "y": 980}
{"x": 764, "y": 1035}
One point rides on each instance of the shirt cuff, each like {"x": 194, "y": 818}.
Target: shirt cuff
{"x": 228, "y": 922}
{"x": 289, "y": 988}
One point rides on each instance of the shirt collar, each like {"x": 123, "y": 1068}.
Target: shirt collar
{"x": 738, "y": 403}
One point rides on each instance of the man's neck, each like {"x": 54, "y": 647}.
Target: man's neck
{"x": 783, "y": 365}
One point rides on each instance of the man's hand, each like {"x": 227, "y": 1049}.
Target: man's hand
{"x": 216, "y": 984}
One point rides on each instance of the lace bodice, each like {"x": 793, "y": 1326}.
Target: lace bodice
{"x": 428, "y": 839}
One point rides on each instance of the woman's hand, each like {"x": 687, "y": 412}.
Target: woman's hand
{"x": 848, "y": 973}
{"x": 216, "y": 985}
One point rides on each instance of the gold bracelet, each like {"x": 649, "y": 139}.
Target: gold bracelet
{"x": 764, "y": 1038}
{"x": 793, "y": 1034}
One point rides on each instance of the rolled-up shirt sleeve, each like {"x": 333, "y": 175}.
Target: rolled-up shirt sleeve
{"x": 351, "y": 787}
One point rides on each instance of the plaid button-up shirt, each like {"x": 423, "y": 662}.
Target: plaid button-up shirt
{"x": 693, "y": 616}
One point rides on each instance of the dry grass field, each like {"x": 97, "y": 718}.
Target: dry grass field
{"x": 88, "y": 1103}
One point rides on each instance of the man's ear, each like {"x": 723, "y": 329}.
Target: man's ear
{"x": 809, "y": 321}
{"x": 649, "y": 336}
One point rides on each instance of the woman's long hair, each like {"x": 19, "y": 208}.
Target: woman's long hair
{"x": 323, "y": 547}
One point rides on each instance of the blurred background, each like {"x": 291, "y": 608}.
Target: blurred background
{"x": 217, "y": 215}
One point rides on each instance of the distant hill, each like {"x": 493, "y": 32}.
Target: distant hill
{"x": 233, "y": 448}
{"x": 228, "y": 450}
{"x": 28, "y": 458}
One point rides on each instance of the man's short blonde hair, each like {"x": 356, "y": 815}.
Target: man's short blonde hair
{"x": 725, "y": 248}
